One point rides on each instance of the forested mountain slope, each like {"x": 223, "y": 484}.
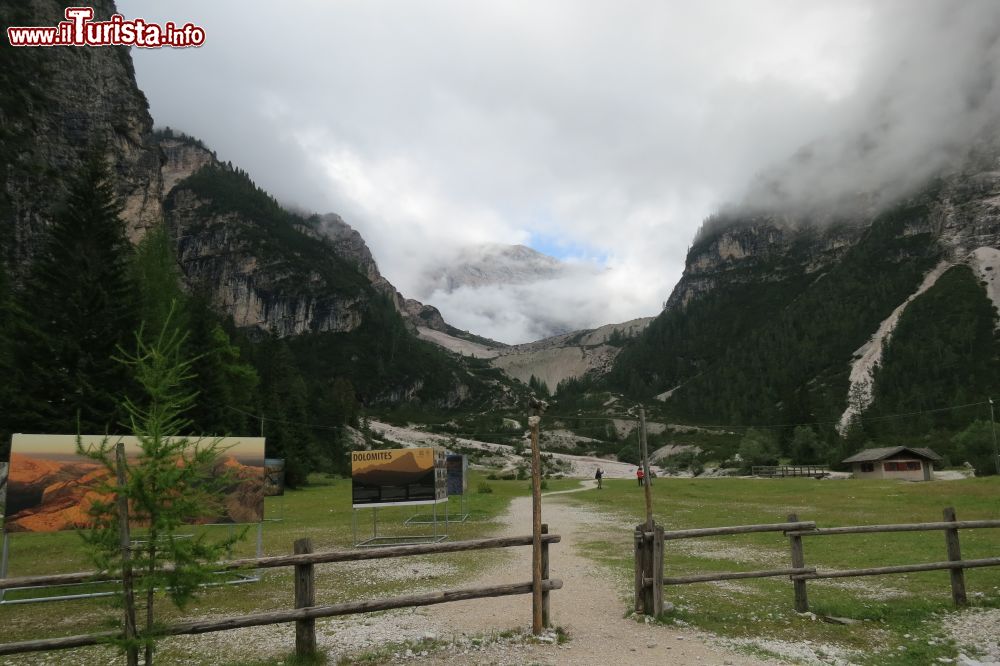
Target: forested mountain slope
{"x": 793, "y": 318}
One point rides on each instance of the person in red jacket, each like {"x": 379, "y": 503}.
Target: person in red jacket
{"x": 639, "y": 475}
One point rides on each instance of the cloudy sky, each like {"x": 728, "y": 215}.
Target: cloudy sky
{"x": 601, "y": 132}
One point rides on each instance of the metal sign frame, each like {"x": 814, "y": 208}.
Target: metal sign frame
{"x": 403, "y": 540}
{"x": 5, "y": 563}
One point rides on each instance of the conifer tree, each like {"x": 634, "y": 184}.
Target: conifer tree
{"x": 79, "y": 306}
{"x": 173, "y": 482}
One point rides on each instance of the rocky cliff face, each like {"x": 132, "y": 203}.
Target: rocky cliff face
{"x": 58, "y": 104}
{"x": 250, "y": 278}
{"x": 182, "y": 157}
{"x": 962, "y": 212}
{"x": 759, "y": 248}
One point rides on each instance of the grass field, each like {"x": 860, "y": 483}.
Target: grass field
{"x": 899, "y": 616}
{"x": 322, "y": 512}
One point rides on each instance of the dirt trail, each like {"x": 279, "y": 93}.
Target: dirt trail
{"x": 589, "y": 607}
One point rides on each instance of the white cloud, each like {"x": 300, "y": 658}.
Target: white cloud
{"x": 616, "y": 125}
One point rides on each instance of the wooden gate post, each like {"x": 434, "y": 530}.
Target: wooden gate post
{"x": 546, "y": 621}
{"x": 955, "y": 555}
{"x": 798, "y": 562}
{"x": 305, "y": 597}
{"x": 640, "y": 568}
{"x": 649, "y": 570}
{"x": 657, "y": 564}
{"x": 537, "y": 408}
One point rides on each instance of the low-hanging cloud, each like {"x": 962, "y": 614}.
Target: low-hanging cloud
{"x": 616, "y": 125}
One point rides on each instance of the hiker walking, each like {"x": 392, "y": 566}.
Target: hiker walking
{"x": 599, "y": 474}
{"x": 638, "y": 475}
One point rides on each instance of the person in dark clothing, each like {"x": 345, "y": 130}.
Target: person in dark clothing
{"x": 599, "y": 474}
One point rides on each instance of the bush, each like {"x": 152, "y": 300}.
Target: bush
{"x": 484, "y": 488}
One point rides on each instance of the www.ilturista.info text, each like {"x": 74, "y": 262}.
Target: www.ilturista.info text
{"x": 80, "y": 30}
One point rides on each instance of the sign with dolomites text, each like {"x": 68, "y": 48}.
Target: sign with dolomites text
{"x": 398, "y": 477}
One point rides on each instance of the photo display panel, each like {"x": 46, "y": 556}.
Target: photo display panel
{"x": 274, "y": 477}
{"x": 51, "y": 487}
{"x": 390, "y": 477}
{"x": 458, "y": 474}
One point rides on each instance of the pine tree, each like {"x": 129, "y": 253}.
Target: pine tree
{"x": 11, "y": 318}
{"x": 171, "y": 483}
{"x": 224, "y": 382}
{"x": 284, "y": 404}
{"x": 157, "y": 282}
{"x": 79, "y": 306}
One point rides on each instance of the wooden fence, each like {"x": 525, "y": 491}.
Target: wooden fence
{"x": 798, "y": 572}
{"x": 781, "y": 471}
{"x": 306, "y": 611}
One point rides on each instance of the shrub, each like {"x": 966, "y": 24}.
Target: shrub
{"x": 484, "y": 488}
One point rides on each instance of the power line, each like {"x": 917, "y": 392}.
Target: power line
{"x": 262, "y": 418}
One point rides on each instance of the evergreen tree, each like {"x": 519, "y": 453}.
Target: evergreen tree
{"x": 805, "y": 446}
{"x": 224, "y": 382}
{"x": 284, "y": 405}
{"x": 79, "y": 307}
{"x": 758, "y": 448}
{"x": 975, "y": 445}
{"x": 157, "y": 282}
{"x": 538, "y": 386}
{"x": 173, "y": 481}
{"x": 10, "y": 319}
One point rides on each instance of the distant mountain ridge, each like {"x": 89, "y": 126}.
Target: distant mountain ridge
{"x": 492, "y": 264}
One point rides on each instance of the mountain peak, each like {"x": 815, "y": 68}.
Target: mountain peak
{"x": 489, "y": 264}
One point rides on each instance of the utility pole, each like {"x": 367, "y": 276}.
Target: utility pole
{"x": 993, "y": 425}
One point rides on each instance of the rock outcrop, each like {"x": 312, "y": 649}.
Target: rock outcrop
{"x": 64, "y": 102}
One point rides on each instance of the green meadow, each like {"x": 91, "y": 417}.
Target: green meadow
{"x": 894, "y": 619}
{"x": 321, "y": 511}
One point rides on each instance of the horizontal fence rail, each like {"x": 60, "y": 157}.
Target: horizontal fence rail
{"x": 903, "y": 568}
{"x": 796, "y": 530}
{"x": 906, "y": 527}
{"x": 295, "y": 615}
{"x": 737, "y": 575}
{"x": 736, "y": 529}
{"x": 321, "y": 557}
{"x": 306, "y": 611}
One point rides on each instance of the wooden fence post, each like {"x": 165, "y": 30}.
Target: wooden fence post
{"x": 125, "y": 543}
{"x": 658, "y": 543}
{"x": 305, "y": 597}
{"x": 546, "y": 621}
{"x": 955, "y": 555}
{"x": 798, "y": 562}
{"x": 536, "y": 528}
{"x": 640, "y": 568}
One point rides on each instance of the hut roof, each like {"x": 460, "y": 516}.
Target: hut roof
{"x": 873, "y": 455}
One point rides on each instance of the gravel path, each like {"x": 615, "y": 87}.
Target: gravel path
{"x": 589, "y": 607}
